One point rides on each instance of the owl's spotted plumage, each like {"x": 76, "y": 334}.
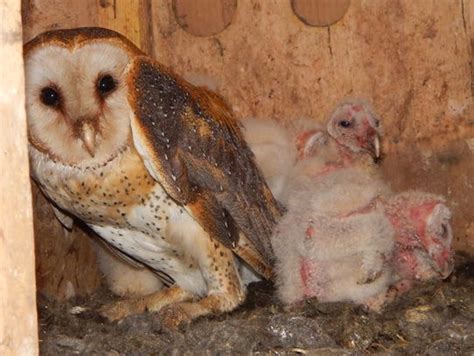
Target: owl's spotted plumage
{"x": 157, "y": 167}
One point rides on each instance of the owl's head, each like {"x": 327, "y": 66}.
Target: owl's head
{"x": 356, "y": 126}
{"x": 76, "y": 94}
{"x": 432, "y": 222}
{"x": 422, "y": 222}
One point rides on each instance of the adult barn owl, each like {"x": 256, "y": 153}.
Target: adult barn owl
{"x": 157, "y": 167}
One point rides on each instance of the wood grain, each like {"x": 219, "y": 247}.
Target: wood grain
{"x": 18, "y": 326}
{"x": 204, "y": 17}
{"x": 130, "y": 18}
{"x": 44, "y": 15}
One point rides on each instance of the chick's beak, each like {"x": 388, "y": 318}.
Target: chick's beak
{"x": 87, "y": 136}
{"x": 446, "y": 264}
{"x": 373, "y": 146}
{"x": 377, "y": 146}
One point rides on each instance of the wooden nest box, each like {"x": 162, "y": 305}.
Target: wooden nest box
{"x": 283, "y": 59}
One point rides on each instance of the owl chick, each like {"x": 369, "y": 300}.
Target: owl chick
{"x": 423, "y": 237}
{"x": 334, "y": 258}
{"x": 338, "y": 164}
{"x": 352, "y": 137}
{"x": 156, "y": 167}
{"x": 274, "y": 152}
{"x": 341, "y": 249}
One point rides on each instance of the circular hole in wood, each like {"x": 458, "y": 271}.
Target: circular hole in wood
{"x": 204, "y": 17}
{"x": 320, "y": 12}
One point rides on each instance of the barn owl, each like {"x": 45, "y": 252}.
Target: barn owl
{"x": 336, "y": 166}
{"x": 423, "y": 237}
{"x": 155, "y": 166}
{"x": 368, "y": 257}
{"x": 335, "y": 242}
{"x": 333, "y": 258}
{"x": 351, "y": 138}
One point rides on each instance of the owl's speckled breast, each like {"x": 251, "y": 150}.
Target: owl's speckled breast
{"x": 122, "y": 203}
{"x": 102, "y": 194}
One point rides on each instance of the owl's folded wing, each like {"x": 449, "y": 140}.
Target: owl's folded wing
{"x": 191, "y": 144}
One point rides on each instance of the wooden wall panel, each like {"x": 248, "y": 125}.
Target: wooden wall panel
{"x": 411, "y": 59}
{"x": 129, "y": 17}
{"x": 18, "y": 325}
{"x": 44, "y": 15}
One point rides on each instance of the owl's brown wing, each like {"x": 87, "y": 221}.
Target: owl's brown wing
{"x": 192, "y": 145}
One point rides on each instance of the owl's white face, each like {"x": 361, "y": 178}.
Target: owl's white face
{"x": 76, "y": 101}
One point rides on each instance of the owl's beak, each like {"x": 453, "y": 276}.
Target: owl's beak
{"x": 87, "y": 136}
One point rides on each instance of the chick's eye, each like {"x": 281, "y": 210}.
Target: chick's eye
{"x": 345, "y": 123}
{"x": 49, "y": 96}
{"x": 444, "y": 231}
{"x": 106, "y": 84}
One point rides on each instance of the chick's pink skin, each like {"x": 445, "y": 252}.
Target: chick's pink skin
{"x": 423, "y": 237}
{"x": 422, "y": 250}
{"x": 334, "y": 269}
{"x": 351, "y": 135}
{"x": 355, "y": 125}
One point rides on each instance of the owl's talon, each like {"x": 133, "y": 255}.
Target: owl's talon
{"x": 115, "y": 311}
{"x": 174, "y": 317}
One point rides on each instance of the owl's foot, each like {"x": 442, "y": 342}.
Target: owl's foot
{"x": 376, "y": 303}
{"x": 153, "y": 302}
{"x": 179, "y": 314}
{"x": 369, "y": 277}
{"x": 372, "y": 268}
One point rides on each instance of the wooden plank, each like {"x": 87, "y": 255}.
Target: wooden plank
{"x": 204, "y": 17}
{"x": 18, "y": 324}
{"x": 468, "y": 6}
{"x": 44, "y": 15}
{"x": 130, "y": 18}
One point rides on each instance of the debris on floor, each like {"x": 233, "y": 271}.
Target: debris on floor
{"x": 432, "y": 319}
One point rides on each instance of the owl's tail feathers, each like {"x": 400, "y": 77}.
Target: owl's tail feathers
{"x": 256, "y": 219}
{"x": 245, "y": 251}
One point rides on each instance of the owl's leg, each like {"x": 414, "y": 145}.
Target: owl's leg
{"x": 152, "y": 302}
{"x": 225, "y": 290}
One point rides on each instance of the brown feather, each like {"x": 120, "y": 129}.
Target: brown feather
{"x": 76, "y": 37}
{"x": 196, "y": 150}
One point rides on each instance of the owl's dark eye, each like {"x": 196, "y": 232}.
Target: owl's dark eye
{"x": 106, "y": 84}
{"x": 49, "y": 96}
{"x": 345, "y": 123}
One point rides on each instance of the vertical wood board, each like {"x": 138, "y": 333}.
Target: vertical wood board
{"x": 18, "y": 322}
